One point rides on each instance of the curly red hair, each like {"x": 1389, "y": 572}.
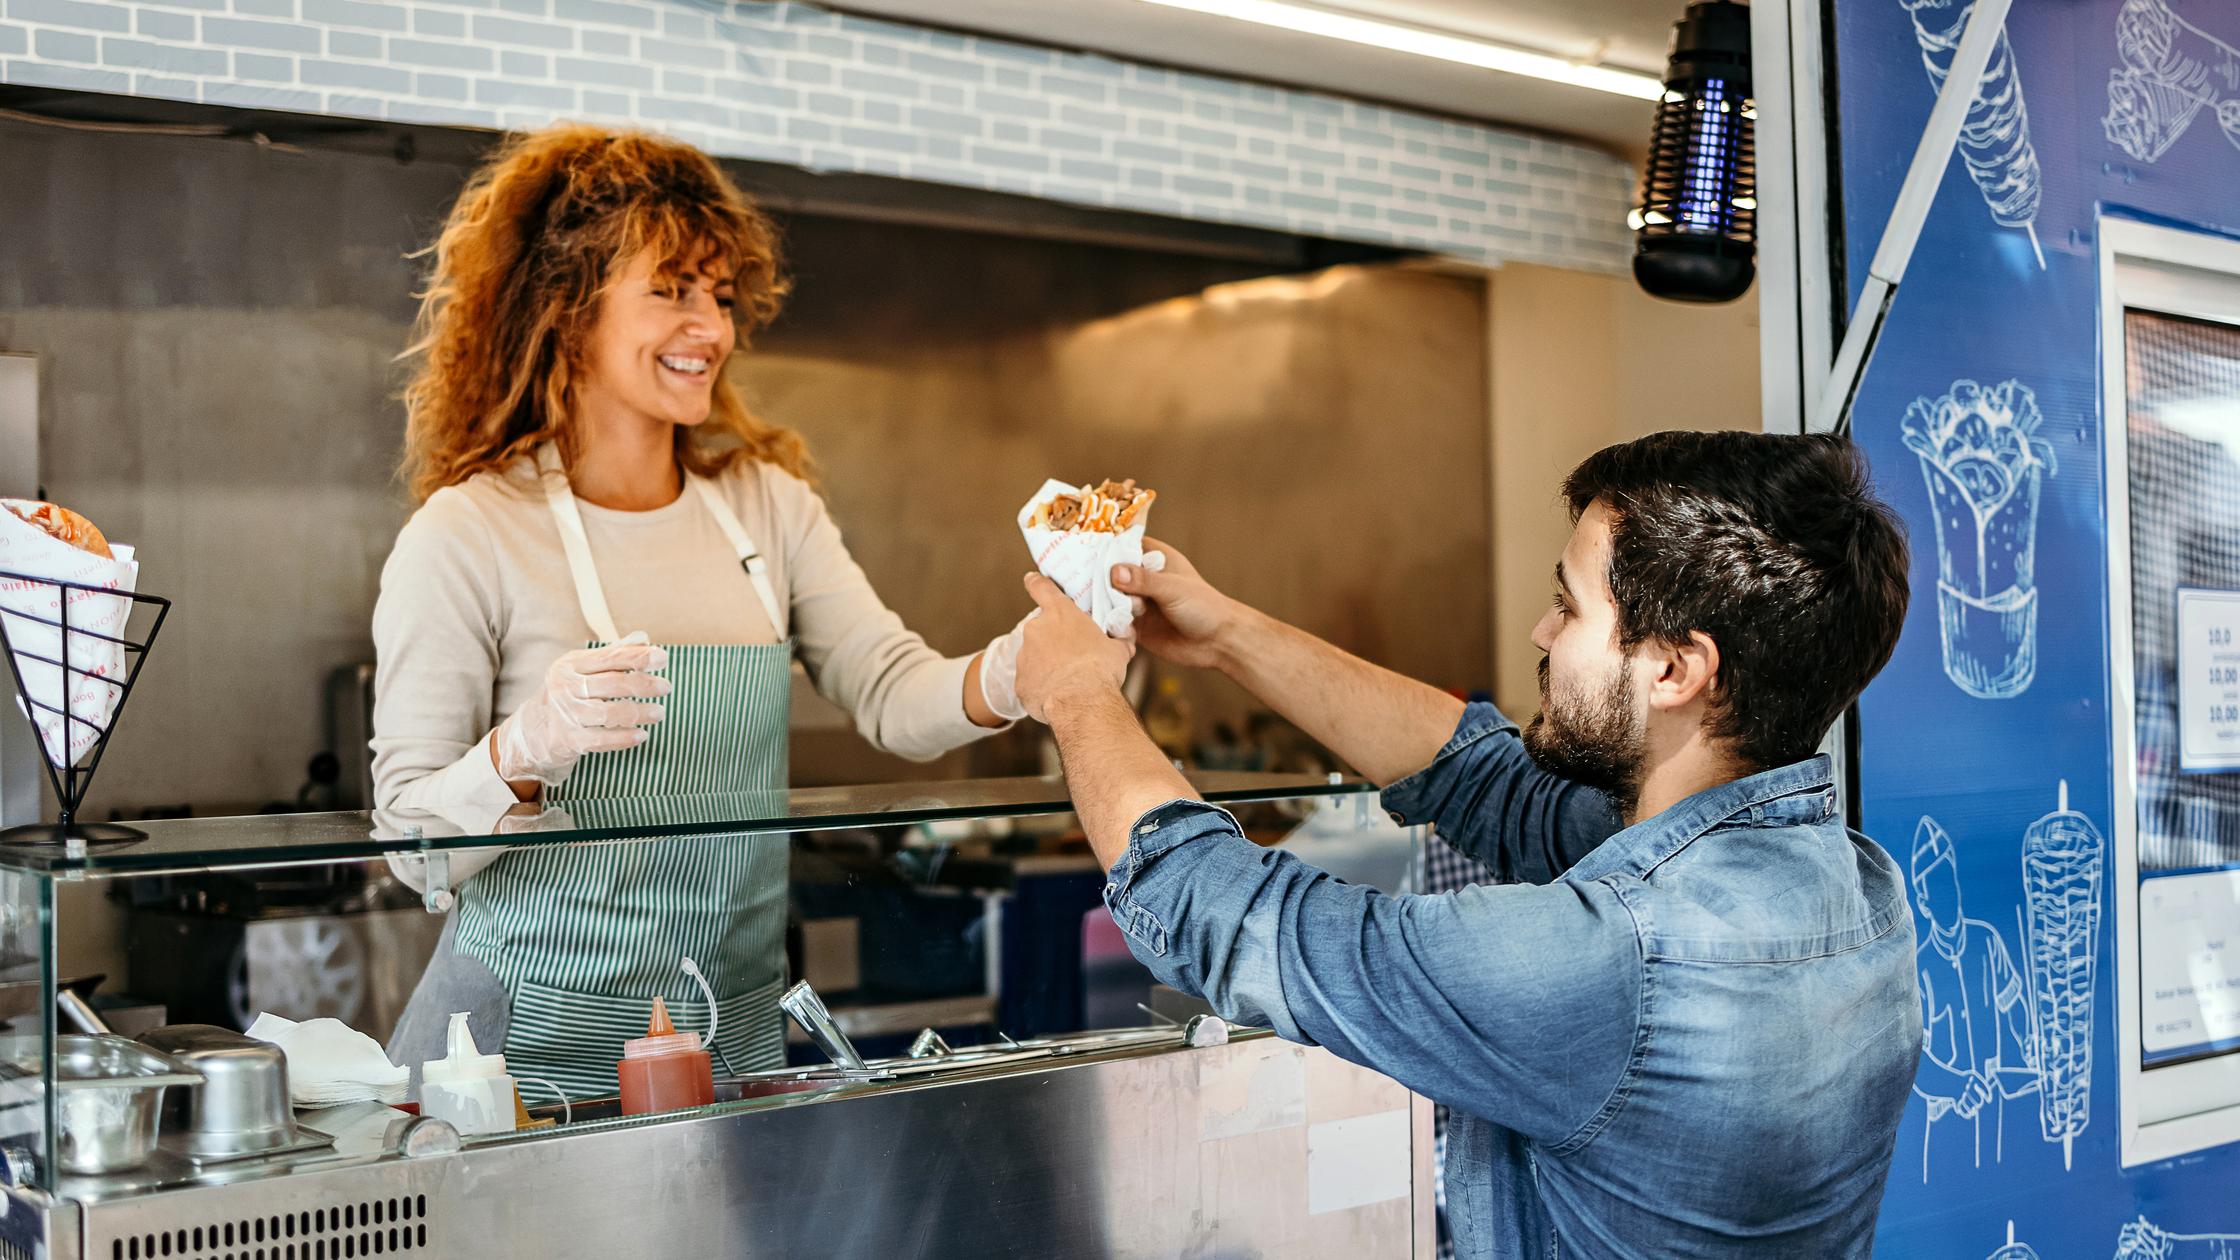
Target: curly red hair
{"x": 535, "y": 237}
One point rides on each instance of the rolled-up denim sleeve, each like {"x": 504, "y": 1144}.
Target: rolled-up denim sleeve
{"x": 1517, "y": 1003}
{"x": 1493, "y": 803}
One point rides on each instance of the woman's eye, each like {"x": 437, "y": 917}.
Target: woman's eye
{"x": 726, "y": 301}
{"x": 1557, "y": 603}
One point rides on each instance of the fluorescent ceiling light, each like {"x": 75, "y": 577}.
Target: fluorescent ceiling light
{"x": 1423, "y": 43}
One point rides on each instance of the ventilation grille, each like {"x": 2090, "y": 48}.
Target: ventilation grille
{"x": 372, "y": 1227}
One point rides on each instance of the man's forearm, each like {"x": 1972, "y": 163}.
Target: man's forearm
{"x": 1114, "y": 771}
{"x": 1386, "y": 725}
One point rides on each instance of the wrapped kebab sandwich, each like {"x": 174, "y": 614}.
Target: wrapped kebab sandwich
{"x": 41, "y": 545}
{"x": 1077, "y": 533}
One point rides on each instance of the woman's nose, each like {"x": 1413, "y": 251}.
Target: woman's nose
{"x": 706, "y": 317}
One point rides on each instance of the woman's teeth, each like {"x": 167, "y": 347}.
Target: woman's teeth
{"x": 679, "y": 363}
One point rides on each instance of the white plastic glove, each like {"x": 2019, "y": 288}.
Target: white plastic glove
{"x": 593, "y": 701}
{"x": 999, "y": 665}
{"x": 999, "y": 672}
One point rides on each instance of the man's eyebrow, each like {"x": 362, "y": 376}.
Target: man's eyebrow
{"x": 1562, "y": 580}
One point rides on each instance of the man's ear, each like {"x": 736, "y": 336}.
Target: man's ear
{"x": 1687, "y": 671}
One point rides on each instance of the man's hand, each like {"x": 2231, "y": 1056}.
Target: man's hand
{"x": 1183, "y": 617}
{"x": 1064, "y": 654}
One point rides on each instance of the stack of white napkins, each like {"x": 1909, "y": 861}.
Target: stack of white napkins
{"x": 330, "y": 1063}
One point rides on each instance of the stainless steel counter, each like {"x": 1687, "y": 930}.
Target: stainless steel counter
{"x": 1133, "y": 1146}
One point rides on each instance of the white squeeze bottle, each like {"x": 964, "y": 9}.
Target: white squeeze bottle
{"x": 466, "y": 1087}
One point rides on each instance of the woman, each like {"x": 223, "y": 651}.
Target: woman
{"x": 585, "y": 469}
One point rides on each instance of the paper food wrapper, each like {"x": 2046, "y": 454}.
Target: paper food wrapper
{"x": 1080, "y": 561}
{"x": 91, "y": 697}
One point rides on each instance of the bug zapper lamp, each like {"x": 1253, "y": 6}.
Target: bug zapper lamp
{"x": 1695, "y": 231}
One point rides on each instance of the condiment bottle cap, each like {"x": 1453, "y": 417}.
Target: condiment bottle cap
{"x": 661, "y": 1037}
{"x": 462, "y": 1061}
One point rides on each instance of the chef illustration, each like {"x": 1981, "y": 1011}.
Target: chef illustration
{"x": 1976, "y": 1047}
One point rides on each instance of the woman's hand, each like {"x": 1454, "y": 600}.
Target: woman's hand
{"x": 999, "y": 676}
{"x": 594, "y": 700}
{"x": 1183, "y": 618}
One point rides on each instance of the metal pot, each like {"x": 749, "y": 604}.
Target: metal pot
{"x": 109, "y": 1101}
{"x": 243, "y": 1108}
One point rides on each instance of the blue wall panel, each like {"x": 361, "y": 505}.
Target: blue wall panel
{"x": 1996, "y": 702}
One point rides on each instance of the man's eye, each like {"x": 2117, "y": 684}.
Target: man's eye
{"x": 1557, "y": 602}
{"x": 726, "y": 301}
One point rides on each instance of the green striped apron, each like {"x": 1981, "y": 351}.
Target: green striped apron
{"x": 585, "y": 936}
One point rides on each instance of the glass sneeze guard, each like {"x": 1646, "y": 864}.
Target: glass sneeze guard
{"x": 204, "y": 844}
{"x": 897, "y": 935}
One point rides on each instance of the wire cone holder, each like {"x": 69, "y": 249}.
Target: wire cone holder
{"x": 70, "y": 779}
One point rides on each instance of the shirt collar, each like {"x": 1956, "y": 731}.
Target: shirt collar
{"x": 1647, "y": 844}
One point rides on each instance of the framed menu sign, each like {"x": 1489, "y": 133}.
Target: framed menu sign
{"x": 2208, "y": 682}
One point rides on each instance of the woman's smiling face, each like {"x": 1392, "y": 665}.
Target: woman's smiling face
{"x": 659, "y": 340}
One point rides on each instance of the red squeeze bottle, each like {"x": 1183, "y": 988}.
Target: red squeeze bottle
{"x": 665, "y": 1069}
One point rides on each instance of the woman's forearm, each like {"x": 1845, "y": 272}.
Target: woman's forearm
{"x": 976, "y": 704}
{"x": 523, "y": 789}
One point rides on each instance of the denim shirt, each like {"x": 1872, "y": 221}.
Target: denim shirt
{"x": 1690, "y": 1037}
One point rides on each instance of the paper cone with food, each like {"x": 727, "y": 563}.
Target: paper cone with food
{"x": 1077, "y": 533}
{"x": 41, "y": 545}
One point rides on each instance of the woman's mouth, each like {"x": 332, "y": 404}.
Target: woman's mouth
{"x": 687, "y": 366}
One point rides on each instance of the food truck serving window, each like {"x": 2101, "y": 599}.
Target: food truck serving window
{"x": 2182, "y": 376}
{"x": 2171, "y": 338}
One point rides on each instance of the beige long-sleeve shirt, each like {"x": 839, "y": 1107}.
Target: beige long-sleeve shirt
{"x": 476, "y": 603}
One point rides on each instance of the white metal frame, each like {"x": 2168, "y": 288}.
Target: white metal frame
{"x": 2165, "y": 1111}
{"x": 1796, "y": 260}
{"x": 1796, "y": 306}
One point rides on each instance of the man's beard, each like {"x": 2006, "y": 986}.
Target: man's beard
{"x": 1595, "y": 739}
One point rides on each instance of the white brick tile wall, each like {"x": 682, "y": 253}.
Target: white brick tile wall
{"x": 789, "y": 82}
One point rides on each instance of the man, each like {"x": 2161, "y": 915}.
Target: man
{"x": 1689, "y": 1027}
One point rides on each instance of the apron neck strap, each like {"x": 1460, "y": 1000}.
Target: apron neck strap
{"x": 592, "y": 597}
{"x": 742, "y": 546}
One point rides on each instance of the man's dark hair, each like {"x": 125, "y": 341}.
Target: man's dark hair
{"x": 1773, "y": 545}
